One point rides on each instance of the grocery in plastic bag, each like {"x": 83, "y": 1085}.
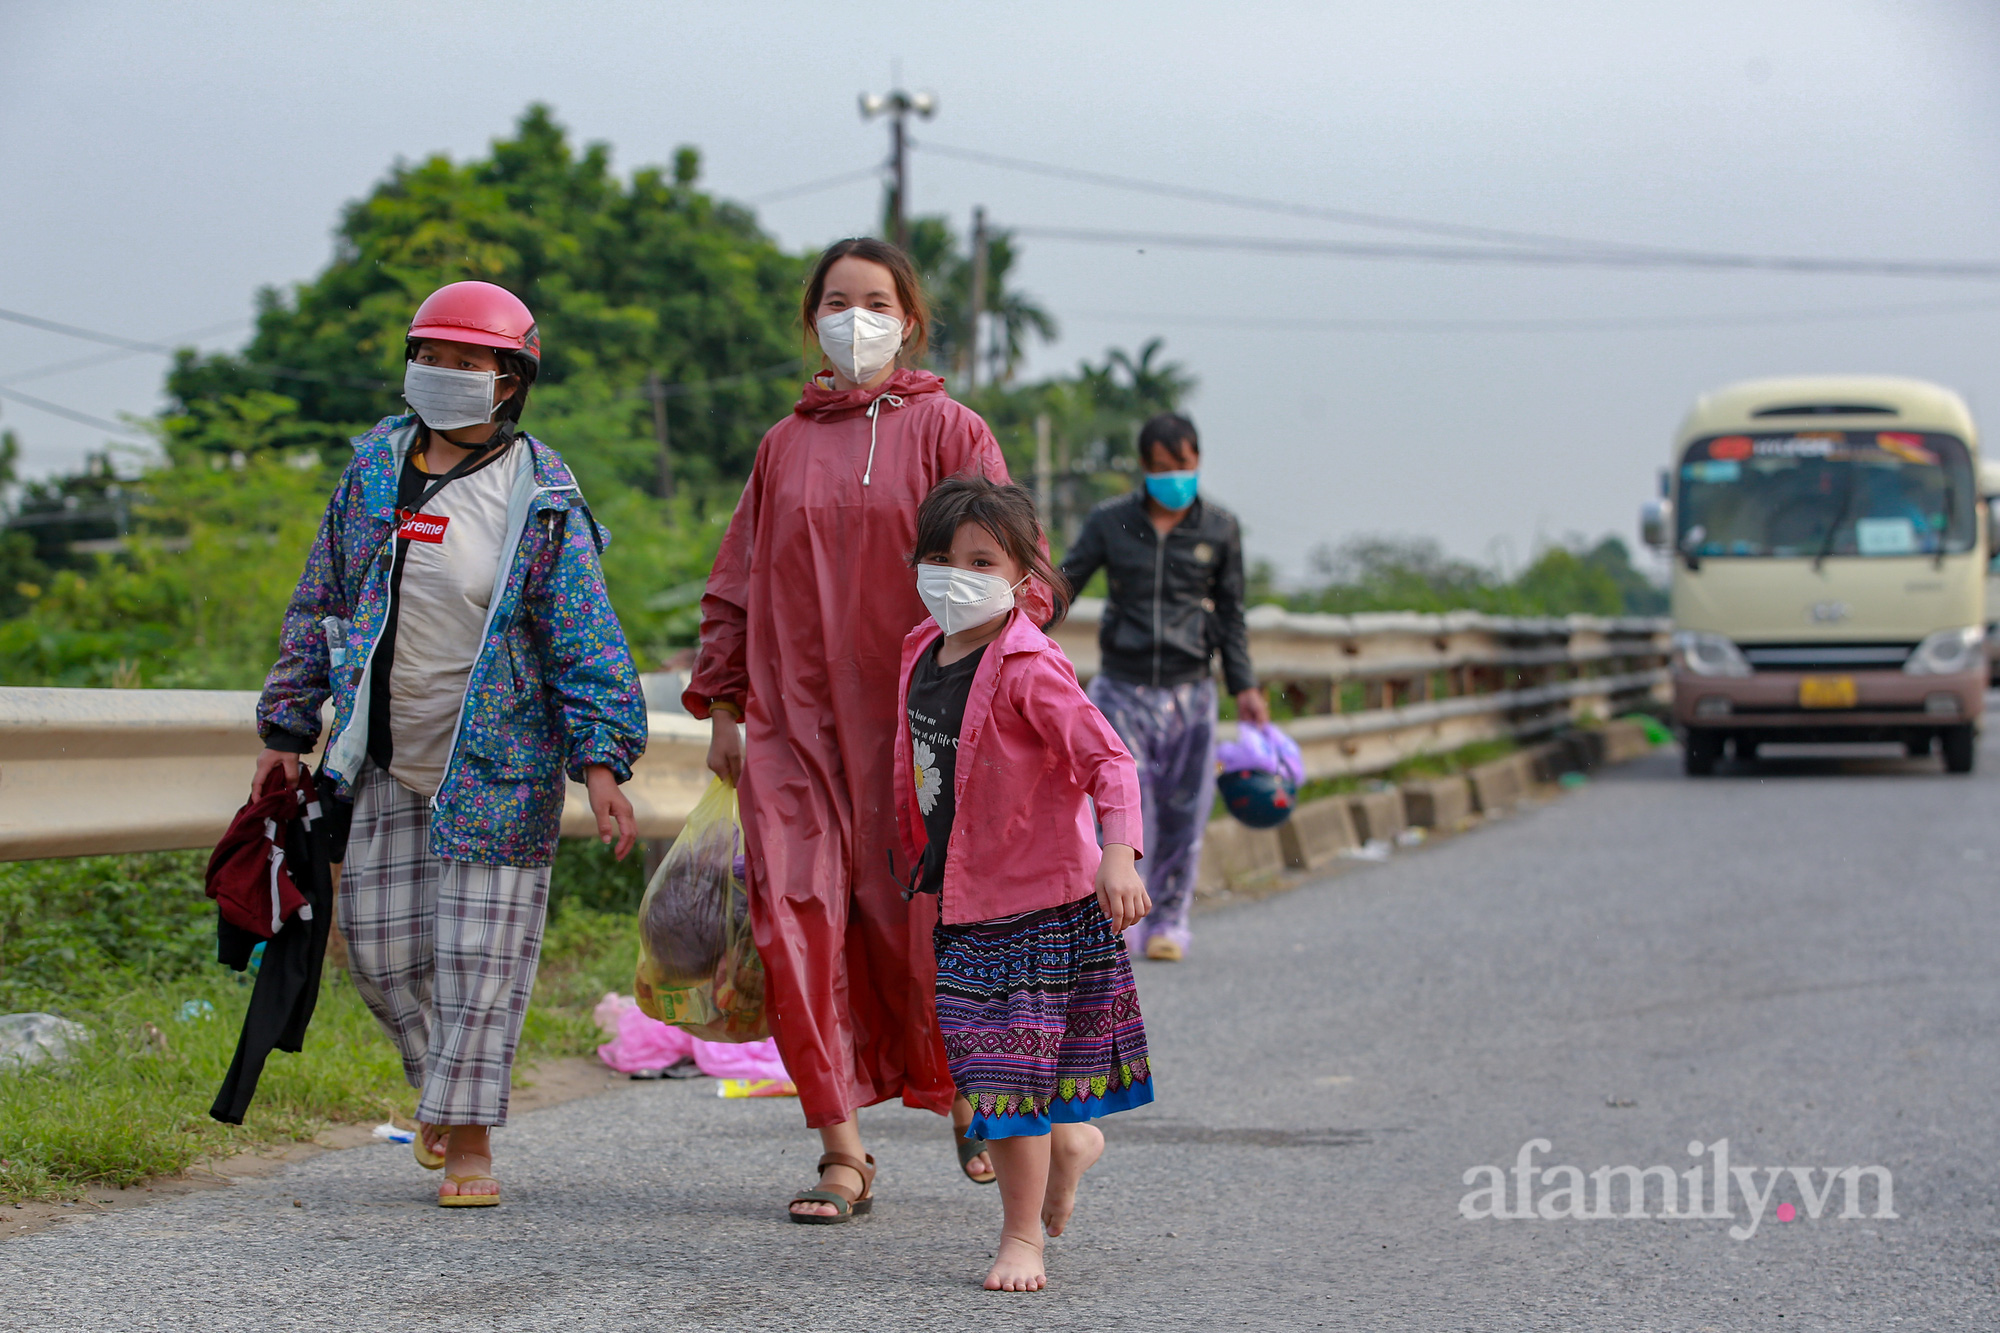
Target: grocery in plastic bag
{"x": 698, "y": 967}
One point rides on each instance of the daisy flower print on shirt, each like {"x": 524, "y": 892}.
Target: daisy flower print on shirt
{"x": 928, "y": 782}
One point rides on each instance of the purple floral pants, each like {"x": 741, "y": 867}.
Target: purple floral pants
{"x": 1170, "y": 731}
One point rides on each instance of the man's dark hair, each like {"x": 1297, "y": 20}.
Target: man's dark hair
{"x": 1167, "y": 428}
{"x": 1007, "y": 511}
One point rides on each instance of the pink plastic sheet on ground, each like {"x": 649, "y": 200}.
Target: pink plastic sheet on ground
{"x": 640, "y": 1043}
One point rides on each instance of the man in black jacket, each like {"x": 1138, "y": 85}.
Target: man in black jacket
{"x": 1174, "y": 563}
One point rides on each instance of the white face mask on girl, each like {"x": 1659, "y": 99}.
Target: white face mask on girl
{"x": 861, "y": 344}
{"x": 449, "y": 399}
{"x": 963, "y": 599}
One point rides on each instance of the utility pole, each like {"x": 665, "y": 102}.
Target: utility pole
{"x": 971, "y": 351}
{"x": 658, "y": 394}
{"x": 897, "y": 105}
{"x": 1045, "y": 482}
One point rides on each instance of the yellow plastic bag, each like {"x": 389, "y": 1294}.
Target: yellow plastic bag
{"x": 698, "y": 967}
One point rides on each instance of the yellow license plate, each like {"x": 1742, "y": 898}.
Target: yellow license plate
{"x": 1827, "y": 692}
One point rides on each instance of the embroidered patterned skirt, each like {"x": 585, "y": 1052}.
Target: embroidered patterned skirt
{"x": 1040, "y": 1018}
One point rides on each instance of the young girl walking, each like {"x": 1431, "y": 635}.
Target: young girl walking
{"x": 1035, "y": 999}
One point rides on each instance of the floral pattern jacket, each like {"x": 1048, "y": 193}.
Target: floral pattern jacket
{"x": 554, "y": 688}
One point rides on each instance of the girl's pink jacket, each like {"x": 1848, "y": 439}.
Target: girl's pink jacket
{"x": 1031, "y": 748}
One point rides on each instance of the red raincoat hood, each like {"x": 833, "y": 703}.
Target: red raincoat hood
{"x": 822, "y": 402}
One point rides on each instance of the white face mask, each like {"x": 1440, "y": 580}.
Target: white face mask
{"x": 449, "y": 399}
{"x": 861, "y": 344}
{"x": 963, "y": 599}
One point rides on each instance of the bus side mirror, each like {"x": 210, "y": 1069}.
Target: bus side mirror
{"x": 1655, "y": 517}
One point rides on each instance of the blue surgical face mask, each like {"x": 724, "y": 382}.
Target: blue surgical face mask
{"x": 1174, "y": 490}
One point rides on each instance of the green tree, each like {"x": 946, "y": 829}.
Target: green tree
{"x": 650, "y": 280}
{"x": 1374, "y": 573}
{"x": 1094, "y": 415}
{"x": 653, "y": 277}
{"x": 946, "y": 267}
{"x": 21, "y": 572}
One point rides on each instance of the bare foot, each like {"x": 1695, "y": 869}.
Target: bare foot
{"x": 434, "y": 1137}
{"x": 468, "y": 1152}
{"x": 1017, "y": 1266}
{"x": 1074, "y": 1149}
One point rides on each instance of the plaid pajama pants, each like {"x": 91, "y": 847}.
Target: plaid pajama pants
{"x": 443, "y": 952}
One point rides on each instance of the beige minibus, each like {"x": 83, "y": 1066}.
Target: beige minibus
{"x": 1828, "y": 550}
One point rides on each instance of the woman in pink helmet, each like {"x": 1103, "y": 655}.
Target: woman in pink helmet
{"x": 801, "y": 640}
{"x": 454, "y": 610}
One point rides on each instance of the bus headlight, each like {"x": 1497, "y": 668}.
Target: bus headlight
{"x": 1711, "y": 654}
{"x": 1949, "y": 652}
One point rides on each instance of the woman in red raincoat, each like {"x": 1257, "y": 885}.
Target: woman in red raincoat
{"x": 801, "y": 635}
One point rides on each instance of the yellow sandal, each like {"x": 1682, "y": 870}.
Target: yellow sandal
{"x": 428, "y": 1159}
{"x": 469, "y": 1200}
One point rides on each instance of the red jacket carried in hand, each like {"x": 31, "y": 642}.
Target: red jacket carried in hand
{"x": 247, "y": 876}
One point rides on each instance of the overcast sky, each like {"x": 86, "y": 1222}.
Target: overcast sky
{"x": 159, "y": 163}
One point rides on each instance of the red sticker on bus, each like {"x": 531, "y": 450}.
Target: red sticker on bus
{"x": 1730, "y": 448}
{"x": 423, "y": 527}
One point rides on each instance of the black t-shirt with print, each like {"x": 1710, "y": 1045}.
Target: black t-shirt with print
{"x": 936, "y": 712}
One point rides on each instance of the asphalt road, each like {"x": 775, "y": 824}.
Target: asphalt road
{"x": 1799, "y": 959}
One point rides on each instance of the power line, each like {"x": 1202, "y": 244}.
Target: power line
{"x": 57, "y": 409}
{"x": 1351, "y": 217}
{"x": 105, "y": 358}
{"x": 1626, "y": 253}
{"x": 163, "y": 349}
{"x": 1465, "y": 254}
{"x": 1607, "y": 324}
{"x": 814, "y": 187}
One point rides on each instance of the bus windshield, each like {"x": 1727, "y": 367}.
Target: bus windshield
{"x": 1822, "y": 493}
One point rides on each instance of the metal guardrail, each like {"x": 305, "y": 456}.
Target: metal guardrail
{"x": 94, "y": 771}
{"x": 1369, "y": 691}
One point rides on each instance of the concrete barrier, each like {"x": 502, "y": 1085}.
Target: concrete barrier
{"x": 1378, "y": 815}
{"x": 1317, "y": 833}
{"x": 1623, "y": 741}
{"x": 1497, "y": 786}
{"x": 1441, "y": 803}
{"x": 1235, "y": 856}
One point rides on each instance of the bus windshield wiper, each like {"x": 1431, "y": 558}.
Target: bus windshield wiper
{"x": 1950, "y": 508}
{"x": 1833, "y": 532}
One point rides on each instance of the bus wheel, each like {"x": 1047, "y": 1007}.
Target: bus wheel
{"x": 1699, "y": 751}
{"x": 1959, "y": 749}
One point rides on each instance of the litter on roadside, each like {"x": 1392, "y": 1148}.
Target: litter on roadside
{"x": 193, "y": 1011}
{"x": 394, "y": 1134}
{"x": 648, "y": 1048}
{"x": 1375, "y": 849}
{"x": 29, "y": 1039}
{"x": 756, "y": 1087}
{"x": 1411, "y": 837}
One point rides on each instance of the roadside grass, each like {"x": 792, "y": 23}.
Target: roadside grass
{"x": 124, "y": 945}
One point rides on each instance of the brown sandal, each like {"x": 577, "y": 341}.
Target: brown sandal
{"x": 846, "y": 1203}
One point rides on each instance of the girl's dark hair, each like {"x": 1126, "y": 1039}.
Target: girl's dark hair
{"x": 1169, "y": 429}
{"x": 1007, "y": 511}
{"x": 518, "y": 364}
{"x": 909, "y": 290}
